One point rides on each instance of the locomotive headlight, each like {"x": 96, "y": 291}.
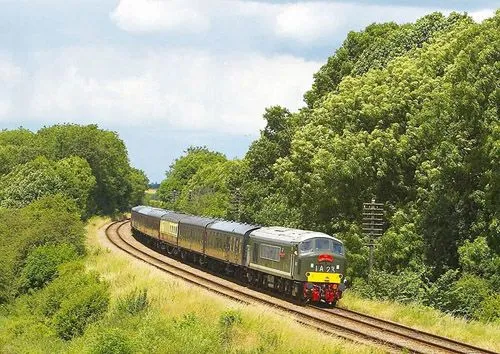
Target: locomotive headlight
{"x": 338, "y": 266}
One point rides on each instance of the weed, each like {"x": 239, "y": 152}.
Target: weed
{"x": 135, "y": 302}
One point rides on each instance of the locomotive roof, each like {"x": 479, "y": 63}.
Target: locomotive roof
{"x": 196, "y": 220}
{"x": 232, "y": 226}
{"x": 174, "y": 217}
{"x": 287, "y": 235}
{"x": 150, "y": 211}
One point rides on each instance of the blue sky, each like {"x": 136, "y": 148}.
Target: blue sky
{"x": 166, "y": 74}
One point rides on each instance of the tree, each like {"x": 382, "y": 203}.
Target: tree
{"x": 139, "y": 183}
{"x": 41, "y": 177}
{"x": 182, "y": 170}
{"x": 105, "y": 153}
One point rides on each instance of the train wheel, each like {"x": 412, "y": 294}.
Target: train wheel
{"x": 183, "y": 255}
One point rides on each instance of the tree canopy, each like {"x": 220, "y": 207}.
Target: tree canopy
{"x": 408, "y": 114}
{"x": 88, "y": 164}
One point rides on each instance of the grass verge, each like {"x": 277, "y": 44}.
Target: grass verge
{"x": 181, "y": 318}
{"x": 429, "y": 320}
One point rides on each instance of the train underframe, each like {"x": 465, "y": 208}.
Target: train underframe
{"x": 301, "y": 291}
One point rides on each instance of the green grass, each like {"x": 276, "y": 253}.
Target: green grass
{"x": 184, "y": 318}
{"x": 429, "y": 320}
{"x": 152, "y": 312}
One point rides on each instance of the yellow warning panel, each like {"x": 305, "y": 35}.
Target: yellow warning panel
{"x": 316, "y": 277}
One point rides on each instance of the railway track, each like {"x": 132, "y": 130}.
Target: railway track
{"x": 347, "y": 324}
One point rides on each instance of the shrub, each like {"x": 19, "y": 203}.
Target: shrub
{"x": 226, "y": 321}
{"x": 41, "y": 265}
{"x": 489, "y": 310}
{"x": 229, "y": 318}
{"x": 467, "y": 295}
{"x": 134, "y": 302}
{"x": 405, "y": 287}
{"x": 72, "y": 301}
{"x": 112, "y": 341}
{"x": 459, "y": 296}
{"x": 80, "y": 309}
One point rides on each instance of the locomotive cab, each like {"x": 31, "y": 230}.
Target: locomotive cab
{"x": 321, "y": 267}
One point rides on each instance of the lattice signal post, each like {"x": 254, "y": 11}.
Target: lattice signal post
{"x": 373, "y": 224}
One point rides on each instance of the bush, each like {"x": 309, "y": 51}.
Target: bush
{"x": 41, "y": 265}
{"x": 112, "y": 341}
{"x": 405, "y": 287}
{"x": 80, "y": 310}
{"x": 460, "y": 296}
{"x": 226, "y": 321}
{"x": 72, "y": 301}
{"x": 229, "y": 318}
{"x": 51, "y": 220}
{"x": 489, "y": 310}
{"x": 134, "y": 302}
{"x": 467, "y": 294}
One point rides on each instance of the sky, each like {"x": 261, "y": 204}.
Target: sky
{"x": 168, "y": 74}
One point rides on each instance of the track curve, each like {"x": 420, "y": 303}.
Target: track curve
{"x": 347, "y": 324}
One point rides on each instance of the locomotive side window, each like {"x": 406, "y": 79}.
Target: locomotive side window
{"x": 271, "y": 253}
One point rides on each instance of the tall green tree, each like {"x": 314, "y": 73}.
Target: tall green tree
{"x": 104, "y": 151}
{"x": 41, "y": 177}
{"x": 139, "y": 182}
{"x": 182, "y": 170}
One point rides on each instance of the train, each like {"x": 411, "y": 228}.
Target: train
{"x": 307, "y": 266}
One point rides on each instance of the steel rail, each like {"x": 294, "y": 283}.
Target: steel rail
{"x": 347, "y": 324}
{"x": 398, "y": 328}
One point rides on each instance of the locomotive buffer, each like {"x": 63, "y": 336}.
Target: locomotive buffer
{"x": 373, "y": 224}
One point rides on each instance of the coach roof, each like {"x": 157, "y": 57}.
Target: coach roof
{"x": 149, "y": 211}
{"x": 138, "y": 208}
{"x": 196, "y": 220}
{"x": 174, "y": 217}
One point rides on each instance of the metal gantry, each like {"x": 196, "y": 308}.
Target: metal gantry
{"x": 373, "y": 224}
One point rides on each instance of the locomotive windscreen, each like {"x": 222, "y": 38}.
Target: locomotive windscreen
{"x": 320, "y": 244}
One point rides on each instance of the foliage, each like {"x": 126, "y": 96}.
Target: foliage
{"x": 52, "y": 220}
{"x": 105, "y": 153}
{"x": 84, "y": 162}
{"x": 374, "y": 48}
{"x": 139, "y": 183}
{"x": 72, "y": 301}
{"x": 16, "y": 148}
{"x": 112, "y": 341}
{"x": 176, "y": 191}
{"x": 135, "y": 302}
{"x": 404, "y": 113}
{"x": 41, "y": 265}
{"x": 406, "y": 287}
{"x": 489, "y": 309}
{"x": 41, "y": 177}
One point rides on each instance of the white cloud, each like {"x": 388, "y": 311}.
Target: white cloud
{"x": 11, "y": 77}
{"x": 303, "y": 22}
{"x": 481, "y": 15}
{"x": 185, "y": 88}
{"x": 160, "y": 15}
{"x": 309, "y": 21}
